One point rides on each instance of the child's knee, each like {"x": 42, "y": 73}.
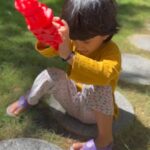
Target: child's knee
{"x": 56, "y": 73}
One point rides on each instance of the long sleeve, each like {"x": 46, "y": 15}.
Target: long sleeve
{"x": 45, "y": 51}
{"x": 96, "y": 72}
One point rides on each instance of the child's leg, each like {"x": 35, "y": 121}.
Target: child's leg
{"x": 104, "y": 124}
{"x": 47, "y": 82}
{"x": 40, "y": 87}
{"x": 98, "y": 100}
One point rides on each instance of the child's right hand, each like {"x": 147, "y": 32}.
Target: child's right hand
{"x": 63, "y": 31}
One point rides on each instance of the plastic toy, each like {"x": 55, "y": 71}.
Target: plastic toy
{"x": 39, "y": 21}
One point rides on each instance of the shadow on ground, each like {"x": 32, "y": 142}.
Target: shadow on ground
{"x": 126, "y": 139}
{"x": 143, "y": 89}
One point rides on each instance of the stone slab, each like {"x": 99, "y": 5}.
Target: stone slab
{"x": 141, "y": 41}
{"x": 27, "y": 144}
{"x": 135, "y": 69}
{"x": 73, "y": 125}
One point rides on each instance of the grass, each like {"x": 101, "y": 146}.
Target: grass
{"x": 20, "y": 63}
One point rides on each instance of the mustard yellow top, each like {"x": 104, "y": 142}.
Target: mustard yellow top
{"x": 102, "y": 67}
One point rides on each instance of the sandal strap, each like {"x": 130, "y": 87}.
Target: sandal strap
{"x": 90, "y": 145}
{"x": 22, "y": 102}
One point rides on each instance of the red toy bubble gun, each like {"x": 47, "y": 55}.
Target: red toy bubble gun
{"x": 39, "y": 21}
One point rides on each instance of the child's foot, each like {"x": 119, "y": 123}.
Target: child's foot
{"x": 77, "y": 146}
{"x": 17, "y": 107}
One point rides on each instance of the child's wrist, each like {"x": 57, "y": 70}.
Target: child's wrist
{"x": 70, "y": 55}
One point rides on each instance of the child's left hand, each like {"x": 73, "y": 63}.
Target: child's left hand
{"x": 63, "y": 31}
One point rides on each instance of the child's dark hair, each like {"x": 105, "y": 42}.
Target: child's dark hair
{"x": 89, "y": 18}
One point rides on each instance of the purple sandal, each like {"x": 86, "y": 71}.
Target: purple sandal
{"x": 90, "y": 145}
{"x": 22, "y": 103}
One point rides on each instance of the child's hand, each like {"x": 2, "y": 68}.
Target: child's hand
{"x": 63, "y": 31}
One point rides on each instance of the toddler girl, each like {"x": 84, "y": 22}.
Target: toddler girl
{"x": 86, "y": 90}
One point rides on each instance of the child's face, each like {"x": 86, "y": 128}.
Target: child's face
{"x": 89, "y": 46}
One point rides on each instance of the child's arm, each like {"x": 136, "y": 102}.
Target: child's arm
{"x": 64, "y": 50}
{"x": 86, "y": 70}
{"x": 45, "y": 50}
{"x": 64, "y": 47}
{"x": 89, "y": 71}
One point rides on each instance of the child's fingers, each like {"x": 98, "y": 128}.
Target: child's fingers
{"x": 56, "y": 19}
{"x": 63, "y": 31}
{"x": 65, "y": 23}
{"x": 65, "y": 27}
{"x": 57, "y": 25}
